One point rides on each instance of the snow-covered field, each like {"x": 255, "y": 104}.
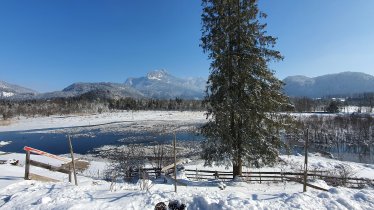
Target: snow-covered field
{"x": 133, "y": 119}
{"x": 355, "y": 109}
{"x": 93, "y": 193}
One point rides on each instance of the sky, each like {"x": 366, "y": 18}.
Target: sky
{"x": 47, "y": 45}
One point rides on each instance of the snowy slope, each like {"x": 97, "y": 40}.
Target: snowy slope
{"x": 9, "y": 90}
{"x": 96, "y": 194}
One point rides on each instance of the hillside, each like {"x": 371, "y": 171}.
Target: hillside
{"x": 102, "y": 90}
{"x": 10, "y": 90}
{"x": 345, "y": 83}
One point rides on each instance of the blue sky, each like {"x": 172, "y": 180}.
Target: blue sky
{"x": 47, "y": 45}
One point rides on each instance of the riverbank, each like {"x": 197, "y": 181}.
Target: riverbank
{"x": 133, "y": 120}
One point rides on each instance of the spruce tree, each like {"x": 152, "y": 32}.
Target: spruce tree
{"x": 243, "y": 95}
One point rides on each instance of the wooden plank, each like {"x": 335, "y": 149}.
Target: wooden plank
{"x": 307, "y": 184}
{"x": 279, "y": 177}
{"x": 171, "y": 165}
{"x": 229, "y": 179}
{"x": 39, "y": 152}
{"x": 207, "y": 171}
{"x": 351, "y": 178}
{"x": 254, "y": 172}
{"x": 226, "y": 176}
{"x": 49, "y": 167}
{"x": 151, "y": 169}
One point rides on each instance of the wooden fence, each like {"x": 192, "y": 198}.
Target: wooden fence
{"x": 278, "y": 176}
{"x": 30, "y": 162}
{"x": 262, "y": 176}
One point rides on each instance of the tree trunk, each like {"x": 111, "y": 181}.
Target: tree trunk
{"x": 237, "y": 169}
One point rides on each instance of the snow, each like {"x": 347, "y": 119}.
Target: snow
{"x": 125, "y": 118}
{"x": 6, "y": 94}
{"x": 157, "y": 75}
{"x": 317, "y": 162}
{"x": 355, "y": 109}
{"x": 3, "y": 143}
{"x": 93, "y": 193}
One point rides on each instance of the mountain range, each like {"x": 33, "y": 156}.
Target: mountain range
{"x": 344, "y": 84}
{"x": 101, "y": 90}
{"x": 159, "y": 84}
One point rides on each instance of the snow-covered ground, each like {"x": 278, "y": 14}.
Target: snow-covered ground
{"x": 295, "y": 163}
{"x": 93, "y": 193}
{"x": 135, "y": 119}
{"x": 355, "y": 109}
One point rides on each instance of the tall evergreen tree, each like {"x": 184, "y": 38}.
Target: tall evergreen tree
{"x": 243, "y": 95}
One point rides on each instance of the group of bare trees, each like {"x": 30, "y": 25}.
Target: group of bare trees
{"x": 353, "y": 133}
{"x": 128, "y": 162}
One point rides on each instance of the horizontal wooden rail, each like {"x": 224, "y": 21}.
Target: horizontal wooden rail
{"x": 39, "y": 152}
{"x": 267, "y": 176}
{"x": 49, "y": 167}
{"x": 274, "y": 175}
{"x": 307, "y": 184}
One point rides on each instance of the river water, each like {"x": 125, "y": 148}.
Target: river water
{"x": 86, "y": 142}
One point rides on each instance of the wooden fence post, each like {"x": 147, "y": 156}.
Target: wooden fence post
{"x": 282, "y": 176}
{"x": 70, "y": 173}
{"x": 73, "y": 162}
{"x": 27, "y": 166}
{"x": 306, "y": 160}
{"x": 175, "y": 163}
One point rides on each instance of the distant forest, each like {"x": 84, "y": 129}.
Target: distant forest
{"x": 333, "y": 103}
{"x": 90, "y": 103}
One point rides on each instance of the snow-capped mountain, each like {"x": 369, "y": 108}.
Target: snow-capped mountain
{"x": 101, "y": 89}
{"x": 344, "y": 83}
{"x": 10, "y": 90}
{"x": 160, "y": 84}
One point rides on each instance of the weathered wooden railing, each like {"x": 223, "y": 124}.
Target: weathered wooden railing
{"x": 29, "y": 162}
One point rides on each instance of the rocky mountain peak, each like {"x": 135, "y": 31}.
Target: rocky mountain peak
{"x": 157, "y": 74}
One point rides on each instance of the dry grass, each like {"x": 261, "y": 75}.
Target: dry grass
{"x": 5, "y": 122}
{"x": 80, "y": 165}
